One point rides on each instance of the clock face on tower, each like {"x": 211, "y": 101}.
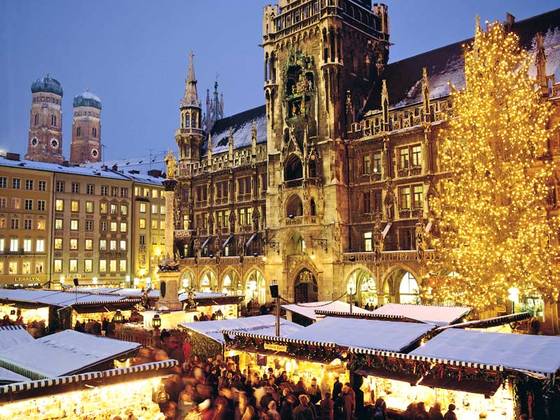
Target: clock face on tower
{"x": 34, "y": 141}
{"x": 54, "y": 143}
{"x": 94, "y": 153}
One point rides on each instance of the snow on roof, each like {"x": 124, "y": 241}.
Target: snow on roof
{"x": 63, "y": 353}
{"x": 308, "y": 309}
{"x": 438, "y": 315}
{"x": 364, "y": 333}
{"x": 125, "y": 292}
{"x": 56, "y": 297}
{"x": 7, "y": 376}
{"x": 241, "y": 126}
{"x": 535, "y": 353}
{"x": 54, "y": 167}
{"x": 11, "y": 336}
{"x": 262, "y": 324}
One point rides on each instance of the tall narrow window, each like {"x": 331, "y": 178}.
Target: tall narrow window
{"x": 36, "y": 119}
{"x": 94, "y": 132}
{"x": 53, "y": 120}
{"x": 79, "y": 131}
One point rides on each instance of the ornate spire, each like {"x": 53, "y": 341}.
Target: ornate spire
{"x": 540, "y": 62}
{"x": 385, "y": 104}
{"x": 191, "y": 93}
{"x": 426, "y": 93}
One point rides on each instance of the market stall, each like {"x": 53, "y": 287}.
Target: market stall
{"x": 207, "y": 339}
{"x": 64, "y": 353}
{"x": 306, "y": 313}
{"x": 321, "y": 350}
{"x": 61, "y": 309}
{"x": 123, "y": 392}
{"x": 486, "y": 375}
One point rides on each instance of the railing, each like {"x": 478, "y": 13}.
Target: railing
{"x": 296, "y": 220}
{"x": 133, "y": 335}
{"x": 293, "y": 183}
{"x": 386, "y": 256}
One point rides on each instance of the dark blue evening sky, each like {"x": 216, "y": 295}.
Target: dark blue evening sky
{"x": 133, "y": 54}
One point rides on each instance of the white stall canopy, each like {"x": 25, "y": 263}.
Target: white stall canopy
{"x": 532, "y": 353}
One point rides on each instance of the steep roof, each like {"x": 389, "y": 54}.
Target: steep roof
{"x": 446, "y": 64}
{"x": 240, "y": 125}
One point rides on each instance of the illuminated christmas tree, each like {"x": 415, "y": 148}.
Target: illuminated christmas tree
{"x": 494, "y": 233}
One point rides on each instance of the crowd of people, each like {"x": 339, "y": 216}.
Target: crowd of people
{"x": 216, "y": 389}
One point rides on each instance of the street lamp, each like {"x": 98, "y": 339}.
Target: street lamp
{"x": 156, "y": 322}
{"x": 513, "y": 297}
{"x": 274, "y": 292}
{"x": 118, "y": 318}
{"x": 351, "y": 292}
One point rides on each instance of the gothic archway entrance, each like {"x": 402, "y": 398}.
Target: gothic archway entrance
{"x": 305, "y": 287}
{"x": 364, "y": 285}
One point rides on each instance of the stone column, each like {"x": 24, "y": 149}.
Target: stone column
{"x": 169, "y": 298}
{"x": 169, "y": 193}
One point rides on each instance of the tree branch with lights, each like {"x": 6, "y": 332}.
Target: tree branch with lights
{"x": 494, "y": 231}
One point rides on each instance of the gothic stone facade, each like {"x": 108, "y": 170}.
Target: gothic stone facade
{"x": 328, "y": 183}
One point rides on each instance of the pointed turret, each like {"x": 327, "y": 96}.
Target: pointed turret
{"x": 190, "y": 134}
{"x": 191, "y": 92}
{"x": 540, "y": 62}
{"x": 214, "y": 107}
{"x": 425, "y": 94}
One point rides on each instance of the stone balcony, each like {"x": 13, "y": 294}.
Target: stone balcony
{"x": 386, "y": 256}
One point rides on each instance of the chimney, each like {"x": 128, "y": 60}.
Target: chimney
{"x": 156, "y": 173}
{"x": 13, "y": 156}
{"x": 510, "y": 20}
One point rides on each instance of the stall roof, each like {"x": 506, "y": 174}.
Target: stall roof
{"x": 437, "y": 315}
{"x": 390, "y": 336}
{"x": 262, "y": 324}
{"x": 534, "y": 353}
{"x": 308, "y": 309}
{"x": 11, "y": 336}
{"x": 63, "y": 353}
{"x": 7, "y": 376}
{"x": 57, "y": 297}
{"x": 128, "y": 292}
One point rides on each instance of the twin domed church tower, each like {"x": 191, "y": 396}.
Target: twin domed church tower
{"x": 45, "y": 125}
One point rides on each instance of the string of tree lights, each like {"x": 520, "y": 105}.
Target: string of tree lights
{"x": 494, "y": 232}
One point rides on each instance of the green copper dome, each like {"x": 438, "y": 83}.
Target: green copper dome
{"x": 87, "y": 99}
{"x": 47, "y": 84}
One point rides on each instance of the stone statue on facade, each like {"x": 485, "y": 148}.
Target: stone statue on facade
{"x": 378, "y": 244}
{"x": 171, "y": 165}
{"x": 419, "y": 236}
{"x": 256, "y": 217}
{"x": 389, "y": 200}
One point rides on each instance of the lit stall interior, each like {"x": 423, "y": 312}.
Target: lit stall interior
{"x": 469, "y": 406}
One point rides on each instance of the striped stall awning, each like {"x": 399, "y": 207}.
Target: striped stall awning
{"x": 84, "y": 377}
{"x": 381, "y": 317}
{"x": 282, "y": 340}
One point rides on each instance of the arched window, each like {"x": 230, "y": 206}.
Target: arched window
{"x": 362, "y": 284}
{"x": 36, "y": 119}
{"x": 313, "y": 208}
{"x": 312, "y": 167}
{"x": 294, "y": 207}
{"x": 79, "y": 131}
{"x": 187, "y": 120}
{"x": 255, "y": 288}
{"x": 293, "y": 169}
{"x": 53, "y": 120}
{"x": 409, "y": 292}
{"x": 187, "y": 281}
{"x": 208, "y": 282}
{"x": 94, "y": 132}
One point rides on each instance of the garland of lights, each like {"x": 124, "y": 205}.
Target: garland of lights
{"x": 494, "y": 232}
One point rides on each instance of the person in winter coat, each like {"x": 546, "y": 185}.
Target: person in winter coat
{"x": 435, "y": 412}
{"x": 348, "y": 401}
{"x": 327, "y": 407}
{"x": 450, "y": 415}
